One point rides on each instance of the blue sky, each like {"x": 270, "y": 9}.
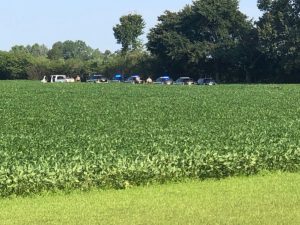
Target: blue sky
{"x": 25, "y": 22}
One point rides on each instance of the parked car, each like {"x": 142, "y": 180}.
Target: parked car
{"x": 118, "y": 78}
{"x": 164, "y": 80}
{"x": 97, "y": 78}
{"x": 135, "y": 79}
{"x": 184, "y": 81}
{"x": 61, "y": 79}
{"x": 206, "y": 81}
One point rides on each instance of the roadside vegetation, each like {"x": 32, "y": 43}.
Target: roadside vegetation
{"x": 81, "y": 136}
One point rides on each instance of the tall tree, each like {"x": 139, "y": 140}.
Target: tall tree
{"x": 13, "y": 66}
{"x": 279, "y": 36}
{"x": 38, "y": 50}
{"x": 39, "y": 67}
{"x": 19, "y": 49}
{"x": 70, "y": 50}
{"x": 200, "y": 39}
{"x": 128, "y": 30}
{"x": 56, "y": 52}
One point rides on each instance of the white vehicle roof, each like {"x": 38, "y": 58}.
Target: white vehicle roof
{"x": 58, "y": 75}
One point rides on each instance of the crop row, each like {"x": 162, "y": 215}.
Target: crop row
{"x": 65, "y": 137}
{"x": 124, "y": 172}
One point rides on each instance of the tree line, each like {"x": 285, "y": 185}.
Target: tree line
{"x": 205, "y": 39}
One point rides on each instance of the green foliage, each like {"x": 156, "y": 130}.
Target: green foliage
{"x": 127, "y": 32}
{"x": 19, "y": 64}
{"x": 14, "y": 65}
{"x": 78, "y": 136}
{"x": 19, "y": 49}
{"x": 202, "y": 38}
{"x": 279, "y": 36}
{"x": 133, "y": 62}
{"x": 35, "y": 50}
{"x": 39, "y": 67}
{"x": 70, "y": 50}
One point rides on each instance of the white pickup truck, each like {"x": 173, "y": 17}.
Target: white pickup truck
{"x": 61, "y": 79}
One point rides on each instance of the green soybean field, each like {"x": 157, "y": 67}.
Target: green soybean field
{"x": 82, "y": 136}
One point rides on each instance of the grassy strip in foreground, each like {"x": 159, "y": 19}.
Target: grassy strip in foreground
{"x": 270, "y": 199}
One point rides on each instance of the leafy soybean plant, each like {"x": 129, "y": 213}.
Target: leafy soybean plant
{"x": 80, "y": 136}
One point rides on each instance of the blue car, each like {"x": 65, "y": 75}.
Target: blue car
{"x": 118, "y": 78}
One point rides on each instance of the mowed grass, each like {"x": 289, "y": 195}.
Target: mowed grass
{"x": 82, "y": 136}
{"x": 269, "y": 200}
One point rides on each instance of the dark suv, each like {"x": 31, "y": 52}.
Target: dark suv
{"x": 206, "y": 81}
{"x": 184, "y": 81}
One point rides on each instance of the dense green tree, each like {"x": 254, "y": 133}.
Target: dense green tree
{"x": 56, "y": 52}
{"x": 128, "y": 30}
{"x": 19, "y": 49}
{"x": 135, "y": 62}
{"x": 70, "y": 58}
{"x": 35, "y": 50}
{"x": 4, "y": 70}
{"x": 58, "y": 67}
{"x": 74, "y": 67}
{"x": 13, "y": 66}
{"x": 70, "y": 50}
{"x": 38, "y": 50}
{"x": 279, "y": 37}
{"x": 39, "y": 67}
{"x": 202, "y": 38}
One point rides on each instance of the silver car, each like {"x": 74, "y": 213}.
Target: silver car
{"x": 97, "y": 78}
{"x": 136, "y": 79}
{"x": 184, "y": 81}
{"x": 164, "y": 80}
